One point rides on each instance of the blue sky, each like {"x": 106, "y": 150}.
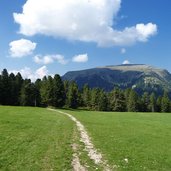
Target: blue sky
{"x": 54, "y": 36}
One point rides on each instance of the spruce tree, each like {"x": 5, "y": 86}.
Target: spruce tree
{"x": 158, "y": 104}
{"x": 19, "y": 82}
{"x": 49, "y": 91}
{"x": 86, "y": 96}
{"x": 73, "y": 96}
{"x": 152, "y": 105}
{"x": 5, "y": 96}
{"x": 58, "y": 92}
{"x": 95, "y": 98}
{"x": 117, "y": 101}
{"x": 126, "y": 95}
{"x": 13, "y": 90}
{"x": 103, "y": 101}
{"x": 133, "y": 102}
{"x": 145, "y": 101}
{"x": 28, "y": 94}
{"x": 43, "y": 91}
{"x": 165, "y": 103}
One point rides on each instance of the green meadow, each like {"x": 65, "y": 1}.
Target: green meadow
{"x": 131, "y": 141}
{"x": 34, "y": 139}
{"x": 38, "y": 139}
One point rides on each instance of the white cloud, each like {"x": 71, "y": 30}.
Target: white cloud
{"x": 82, "y": 20}
{"x": 145, "y": 31}
{"x": 30, "y": 74}
{"x": 48, "y": 59}
{"x": 123, "y": 51}
{"x": 21, "y": 48}
{"x": 126, "y": 62}
{"x": 41, "y": 72}
{"x": 80, "y": 58}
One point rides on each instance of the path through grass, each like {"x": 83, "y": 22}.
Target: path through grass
{"x": 132, "y": 141}
{"x": 38, "y": 139}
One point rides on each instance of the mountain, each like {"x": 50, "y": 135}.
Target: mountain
{"x": 141, "y": 77}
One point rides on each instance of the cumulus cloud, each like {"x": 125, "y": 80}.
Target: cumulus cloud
{"x": 41, "y": 72}
{"x": 21, "y": 48}
{"x": 81, "y": 20}
{"x": 126, "y": 62}
{"x": 80, "y": 58}
{"x": 30, "y": 74}
{"x": 48, "y": 59}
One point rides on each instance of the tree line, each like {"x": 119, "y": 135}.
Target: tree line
{"x": 52, "y": 91}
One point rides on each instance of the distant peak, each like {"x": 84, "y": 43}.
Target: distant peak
{"x": 125, "y": 65}
{"x": 132, "y": 67}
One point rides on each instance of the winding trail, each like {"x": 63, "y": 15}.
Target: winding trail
{"x": 93, "y": 154}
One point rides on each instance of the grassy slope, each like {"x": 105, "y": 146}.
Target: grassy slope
{"x": 34, "y": 139}
{"x": 143, "y": 139}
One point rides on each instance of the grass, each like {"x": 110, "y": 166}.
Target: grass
{"x": 142, "y": 138}
{"x": 33, "y": 139}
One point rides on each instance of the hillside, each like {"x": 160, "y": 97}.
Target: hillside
{"x": 138, "y": 76}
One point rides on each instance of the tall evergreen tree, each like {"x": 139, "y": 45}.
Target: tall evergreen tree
{"x": 1, "y": 90}
{"x": 165, "y": 103}
{"x": 117, "y": 101}
{"x": 145, "y": 101}
{"x": 13, "y": 90}
{"x": 158, "y": 104}
{"x": 152, "y": 105}
{"x": 58, "y": 92}
{"x": 50, "y": 91}
{"x": 37, "y": 92}
{"x": 103, "y": 101}
{"x": 95, "y": 98}
{"x": 28, "y": 94}
{"x": 19, "y": 82}
{"x": 5, "y": 96}
{"x": 133, "y": 102}
{"x": 44, "y": 91}
{"x": 126, "y": 95}
{"x": 86, "y": 96}
{"x": 73, "y": 96}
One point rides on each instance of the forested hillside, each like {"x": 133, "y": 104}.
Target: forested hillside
{"x": 52, "y": 91}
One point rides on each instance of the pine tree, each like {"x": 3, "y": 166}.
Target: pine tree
{"x": 50, "y": 91}
{"x": 13, "y": 90}
{"x": 158, "y": 104}
{"x": 86, "y": 96}
{"x": 165, "y": 103}
{"x": 126, "y": 95}
{"x": 103, "y": 101}
{"x": 44, "y": 91}
{"x": 28, "y": 94}
{"x": 73, "y": 96}
{"x": 152, "y": 105}
{"x": 19, "y": 82}
{"x": 1, "y": 90}
{"x": 58, "y": 92}
{"x": 117, "y": 101}
{"x": 133, "y": 101}
{"x": 5, "y": 96}
{"x": 38, "y": 84}
{"x": 145, "y": 101}
{"x": 95, "y": 98}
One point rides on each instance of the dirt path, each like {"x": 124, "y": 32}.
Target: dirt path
{"x": 93, "y": 154}
{"x": 76, "y": 161}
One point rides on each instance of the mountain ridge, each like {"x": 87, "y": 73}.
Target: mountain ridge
{"x": 141, "y": 77}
